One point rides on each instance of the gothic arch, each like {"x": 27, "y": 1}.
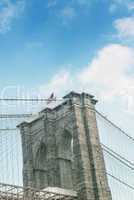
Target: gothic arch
{"x": 41, "y": 157}
{"x": 64, "y": 147}
{"x": 40, "y": 166}
{"x": 66, "y": 142}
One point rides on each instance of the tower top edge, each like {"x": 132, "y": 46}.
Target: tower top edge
{"x": 73, "y": 97}
{"x": 76, "y": 94}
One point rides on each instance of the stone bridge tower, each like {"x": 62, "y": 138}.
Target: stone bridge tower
{"x": 61, "y": 148}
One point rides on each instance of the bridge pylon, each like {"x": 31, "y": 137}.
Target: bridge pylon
{"x": 61, "y": 148}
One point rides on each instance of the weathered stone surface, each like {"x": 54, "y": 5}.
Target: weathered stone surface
{"x": 61, "y": 148}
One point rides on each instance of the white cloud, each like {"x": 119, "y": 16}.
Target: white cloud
{"x": 9, "y": 11}
{"x": 118, "y": 4}
{"x": 109, "y": 76}
{"x": 59, "y": 84}
{"x": 125, "y": 27}
{"x": 108, "y": 73}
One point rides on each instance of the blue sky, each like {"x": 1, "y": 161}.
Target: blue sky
{"x": 62, "y": 45}
{"x": 81, "y": 45}
{"x": 43, "y": 36}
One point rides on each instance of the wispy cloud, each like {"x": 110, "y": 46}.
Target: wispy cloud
{"x": 71, "y": 9}
{"x": 8, "y": 12}
{"x": 82, "y": 2}
{"x": 67, "y": 14}
{"x": 51, "y": 3}
{"x": 125, "y": 28}
{"x": 130, "y": 6}
{"x": 117, "y": 4}
{"x": 112, "y": 8}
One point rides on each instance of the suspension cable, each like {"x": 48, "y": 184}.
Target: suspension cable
{"x": 132, "y": 168}
{"x": 5, "y": 116}
{"x": 31, "y": 99}
{"x": 8, "y": 129}
{"x": 120, "y": 181}
{"x": 114, "y": 125}
{"x": 117, "y": 156}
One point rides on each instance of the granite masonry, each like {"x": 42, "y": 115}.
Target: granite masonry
{"x": 61, "y": 148}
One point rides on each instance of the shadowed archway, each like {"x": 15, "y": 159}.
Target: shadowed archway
{"x": 40, "y": 167}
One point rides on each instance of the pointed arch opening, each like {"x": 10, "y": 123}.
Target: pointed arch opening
{"x": 41, "y": 157}
{"x": 65, "y": 159}
{"x": 40, "y": 168}
{"x": 66, "y": 144}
